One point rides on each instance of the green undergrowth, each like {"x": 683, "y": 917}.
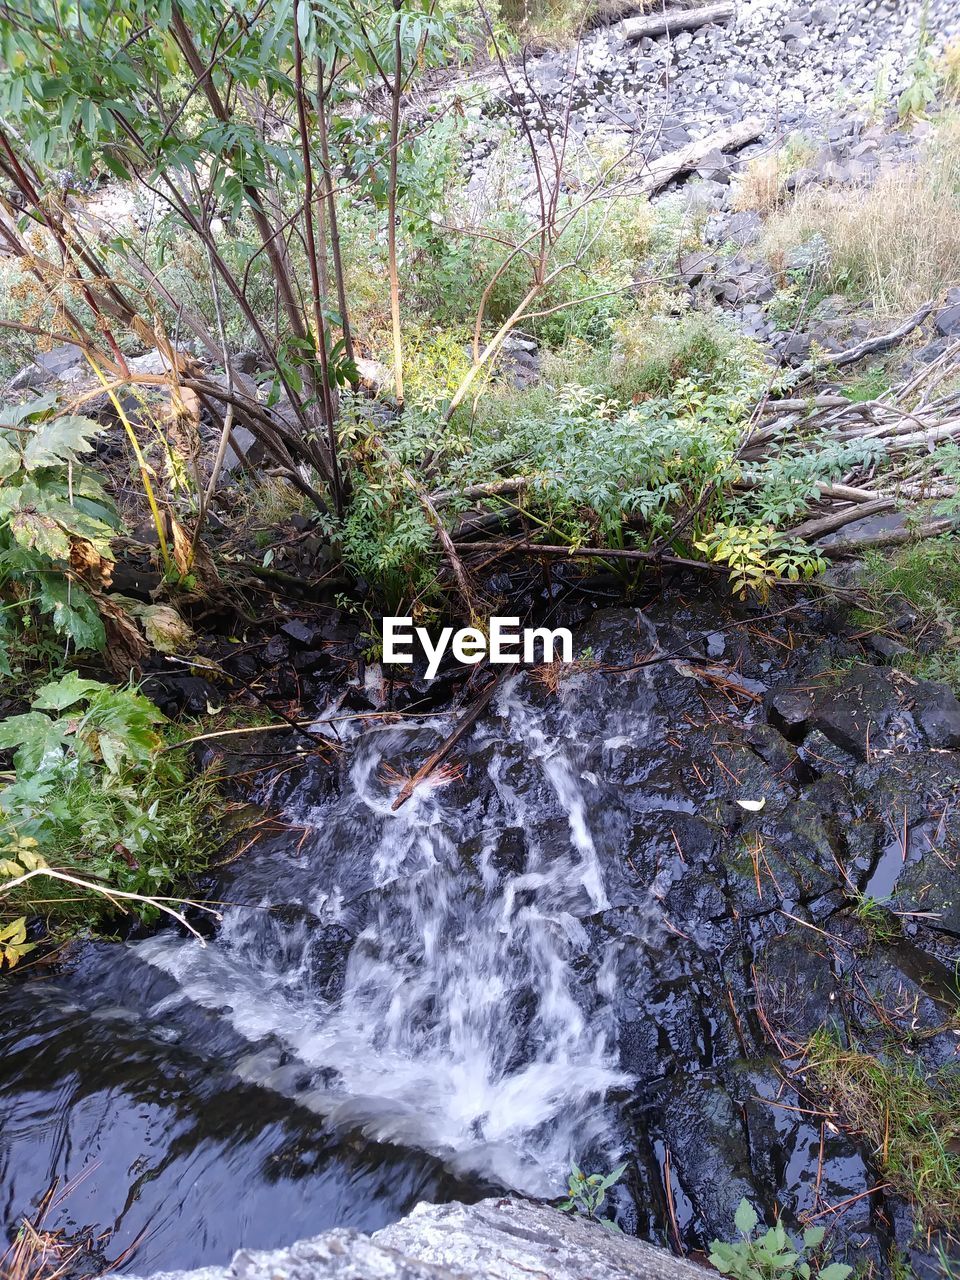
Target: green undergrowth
{"x": 908, "y": 1117}
{"x": 918, "y": 587}
{"x": 615, "y": 442}
{"x": 98, "y": 792}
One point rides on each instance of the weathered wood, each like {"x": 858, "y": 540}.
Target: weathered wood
{"x": 654, "y": 558}
{"x": 836, "y": 520}
{"x": 887, "y": 538}
{"x": 657, "y": 173}
{"x": 869, "y": 347}
{"x": 669, "y": 21}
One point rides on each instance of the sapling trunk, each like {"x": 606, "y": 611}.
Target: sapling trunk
{"x": 397, "y": 89}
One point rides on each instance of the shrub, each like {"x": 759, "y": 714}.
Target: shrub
{"x": 56, "y": 523}
{"x": 96, "y": 794}
{"x": 773, "y": 1255}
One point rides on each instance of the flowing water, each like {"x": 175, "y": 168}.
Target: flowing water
{"x": 462, "y": 1028}
{"x": 559, "y": 949}
{"x": 402, "y": 1005}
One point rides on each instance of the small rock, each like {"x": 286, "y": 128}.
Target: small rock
{"x": 299, "y": 632}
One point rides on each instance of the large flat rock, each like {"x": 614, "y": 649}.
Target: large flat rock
{"x": 509, "y": 1239}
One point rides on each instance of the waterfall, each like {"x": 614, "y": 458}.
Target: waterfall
{"x": 475, "y": 1016}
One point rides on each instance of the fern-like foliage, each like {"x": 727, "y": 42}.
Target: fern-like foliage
{"x": 53, "y": 510}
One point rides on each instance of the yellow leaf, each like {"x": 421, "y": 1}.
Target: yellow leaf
{"x": 32, "y": 861}
{"x": 15, "y": 932}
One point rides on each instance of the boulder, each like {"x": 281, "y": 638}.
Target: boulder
{"x": 510, "y": 1239}
{"x": 948, "y": 320}
{"x": 868, "y": 710}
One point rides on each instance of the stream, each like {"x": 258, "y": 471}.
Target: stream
{"x": 555, "y": 951}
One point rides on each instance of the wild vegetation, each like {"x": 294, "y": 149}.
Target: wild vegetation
{"x": 284, "y": 198}
{"x": 909, "y": 1116}
{"x": 300, "y": 255}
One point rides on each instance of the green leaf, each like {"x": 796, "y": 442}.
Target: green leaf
{"x": 59, "y": 441}
{"x": 40, "y": 533}
{"x": 813, "y": 1236}
{"x": 14, "y": 415}
{"x": 835, "y": 1271}
{"x": 64, "y": 692}
{"x": 74, "y": 612}
{"x": 746, "y": 1218}
{"x": 10, "y": 460}
{"x": 38, "y": 739}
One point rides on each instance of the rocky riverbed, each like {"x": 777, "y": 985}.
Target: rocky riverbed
{"x": 608, "y": 930}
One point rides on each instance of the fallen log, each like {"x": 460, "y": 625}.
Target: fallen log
{"x": 836, "y": 520}
{"x": 888, "y": 538}
{"x": 673, "y": 20}
{"x": 592, "y": 553}
{"x": 657, "y": 173}
{"x": 869, "y": 347}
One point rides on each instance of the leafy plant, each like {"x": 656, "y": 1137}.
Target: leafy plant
{"x": 56, "y": 523}
{"x": 13, "y": 942}
{"x": 95, "y": 795}
{"x": 773, "y": 1255}
{"x": 757, "y": 556}
{"x": 586, "y": 1193}
{"x": 923, "y": 77}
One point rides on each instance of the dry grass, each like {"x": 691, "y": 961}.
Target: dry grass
{"x": 949, "y": 68}
{"x": 762, "y": 185}
{"x": 897, "y": 242}
{"x": 559, "y": 22}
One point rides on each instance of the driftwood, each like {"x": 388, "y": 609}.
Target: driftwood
{"x": 657, "y": 173}
{"x": 593, "y": 553}
{"x": 672, "y": 20}
{"x": 869, "y": 346}
{"x": 888, "y": 538}
{"x": 836, "y": 520}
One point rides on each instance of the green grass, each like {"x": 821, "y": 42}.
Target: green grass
{"x": 908, "y": 1117}
{"x": 880, "y": 923}
{"x": 924, "y": 578}
{"x": 925, "y": 575}
{"x": 870, "y": 384}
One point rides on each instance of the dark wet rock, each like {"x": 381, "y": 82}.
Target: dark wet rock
{"x": 932, "y": 886}
{"x": 300, "y": 632}
{"x": 772, "y": 747}
{"x": 277, "y": 649}
{"x": 790, "y": 710}
{"x": 715, "y": 644}
{"x": 868, "y": 710}
{"x": 885, "y": 646}
{"x": 796, "y": 983}
{"x": 176, "y": 693}
{"x": 695, "y": 1114}
{"x": 823, "y": 757}
{"x": 937, "y": 714}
